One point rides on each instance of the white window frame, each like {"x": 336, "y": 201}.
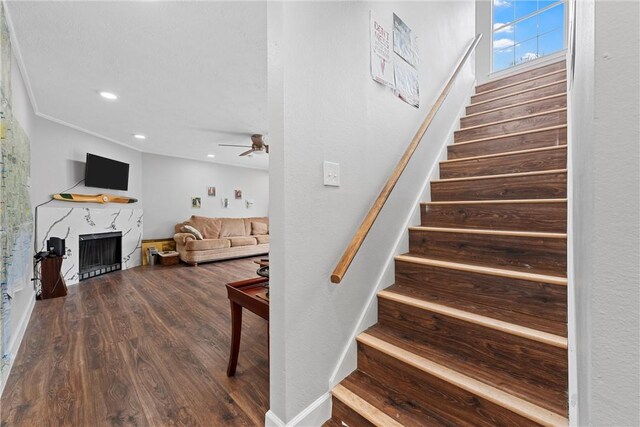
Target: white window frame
{"x": 515, "y": 21}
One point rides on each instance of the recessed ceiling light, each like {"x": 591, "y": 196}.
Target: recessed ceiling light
{"x": 139, "y": 136}
{"x": 108, "y": 95}
{"x": 211, "y": 155}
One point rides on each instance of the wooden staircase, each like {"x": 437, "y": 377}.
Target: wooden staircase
{"x": 473, "y": 332}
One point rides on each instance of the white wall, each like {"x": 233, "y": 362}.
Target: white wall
{"x": 604, "y": 221}
{"x": 169, "y": 183}
{"x": 58, "y": 155}
{"x": 325, "y": 106}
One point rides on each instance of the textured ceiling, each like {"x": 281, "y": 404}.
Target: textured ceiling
{"x": 189, "y": 75}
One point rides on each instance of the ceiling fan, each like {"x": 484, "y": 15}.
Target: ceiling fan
{"x": 257, "y": 146}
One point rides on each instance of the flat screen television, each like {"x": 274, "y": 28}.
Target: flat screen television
{"x": 106, "y": 173}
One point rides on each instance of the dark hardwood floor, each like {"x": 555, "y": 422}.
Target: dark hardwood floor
{"x": 143, "y": 347}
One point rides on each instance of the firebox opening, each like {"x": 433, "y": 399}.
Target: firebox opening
{"x": 100, "y": 253}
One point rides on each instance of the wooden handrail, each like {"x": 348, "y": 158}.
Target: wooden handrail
{"x": 358, "y": 238}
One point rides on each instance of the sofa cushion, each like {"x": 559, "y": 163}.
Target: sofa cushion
{"x": 209, "y": 227}
{"x": 243, "y": 241}
{"x": 207, "y": 244}
{"x": 248, "y": 221}
{"x": 259, "y": 228}
{"x": 262, "y": 239}
{"x": 192, "y": 230}
{"x": 232, "y": 227}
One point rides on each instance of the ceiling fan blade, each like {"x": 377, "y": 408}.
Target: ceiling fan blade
{"x": 247, "y": 152}
{"x": 233, "y": 145}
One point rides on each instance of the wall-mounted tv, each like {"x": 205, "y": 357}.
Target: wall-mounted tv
{"x": 106, "y": 173}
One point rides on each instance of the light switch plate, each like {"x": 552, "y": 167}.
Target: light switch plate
{"x": 331, "y": 173}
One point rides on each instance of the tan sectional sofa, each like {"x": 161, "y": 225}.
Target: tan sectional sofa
{"x": 223, "y": 238}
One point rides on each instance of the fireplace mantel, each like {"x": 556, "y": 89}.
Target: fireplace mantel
{"x": 70, "y": 223}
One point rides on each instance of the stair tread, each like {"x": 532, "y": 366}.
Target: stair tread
{"x": 475, "y": 104}
{"x": 507, "y": 135}
{"x": 505, "y": 201}
{"x": 507, "y": 86}
{"x": 397, "y": 407}
{"x": 512, "y": 119}
{"x": 503, "y": 175}
{"x": 520, "y": 86}
{"x": 478, "y": 319}
{"x": 526, "y": 314}
{"x": 506, "y": 153}
{"x": 541, "y": 76}
{"x": 525, "y": 140}
{"x": 518, "y": 104}
{"x": 491, "y": 393}
{"x": 503, "y": 272}
{"x": 540, "y": 234}
{"x": 522, "y": 73}
{"x": 536, "y": 394}
{"x": 362, "y": 407}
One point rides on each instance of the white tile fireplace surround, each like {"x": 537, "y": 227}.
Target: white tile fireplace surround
{"x": 70, "y": 223}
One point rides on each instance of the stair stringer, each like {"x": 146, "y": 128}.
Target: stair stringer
{"x": 368, "y": 316}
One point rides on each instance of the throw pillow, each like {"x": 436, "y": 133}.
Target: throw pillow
{"x": 259, "y": 228}
{"x": 192, "y": 230}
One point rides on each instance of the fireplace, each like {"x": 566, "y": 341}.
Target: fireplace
{"x": 99, "y": 254}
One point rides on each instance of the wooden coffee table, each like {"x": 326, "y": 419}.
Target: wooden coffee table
{"x": 244, "y": 294}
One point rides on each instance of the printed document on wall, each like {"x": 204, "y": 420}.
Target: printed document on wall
{"x": 382, "y": 69}
{"x": 407, "y": 83}
{"x": 404, "y": 41}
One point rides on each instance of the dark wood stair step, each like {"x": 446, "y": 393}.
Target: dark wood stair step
{"x": 547, "y": 215}
{"x": 491, "y": 365}
{"x": 524, "y": 75}
{"x": 538, "y": 92}
{"x": 536, "y": 301}
{"x": 525, "y": 108}
{"x": 331, "y": 422}
{"x": 541, "y": 120}
{"x": 351, "y": 410}
{"x": 516, "y": 87}
{"x": 380, "y": 405}
{"x": 534, "y": 252}
{"x": 527, "y": 185}
{"x": 459, "y": 398}
{"x": 518, "y": 141}
{"x": 535, "y": 159}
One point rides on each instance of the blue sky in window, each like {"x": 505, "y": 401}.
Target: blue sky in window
{"x": 536, "y": 36}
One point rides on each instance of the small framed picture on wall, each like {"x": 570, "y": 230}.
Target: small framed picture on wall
{"x": 196, "y": 203}
{"x": 211, "y": 191}
{"x": 238, "y": 194}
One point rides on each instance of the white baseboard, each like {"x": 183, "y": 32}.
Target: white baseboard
{"x": 272, "y": 420}
{"x": 16, "y": 340}
{"x": 313, "y": 415}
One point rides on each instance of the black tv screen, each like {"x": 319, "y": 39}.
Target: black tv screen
{"x": 106, "y": 173}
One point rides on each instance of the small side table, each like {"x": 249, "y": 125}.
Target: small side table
{"x": 241, "y": 295}
{"x": 52, "y": 282}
